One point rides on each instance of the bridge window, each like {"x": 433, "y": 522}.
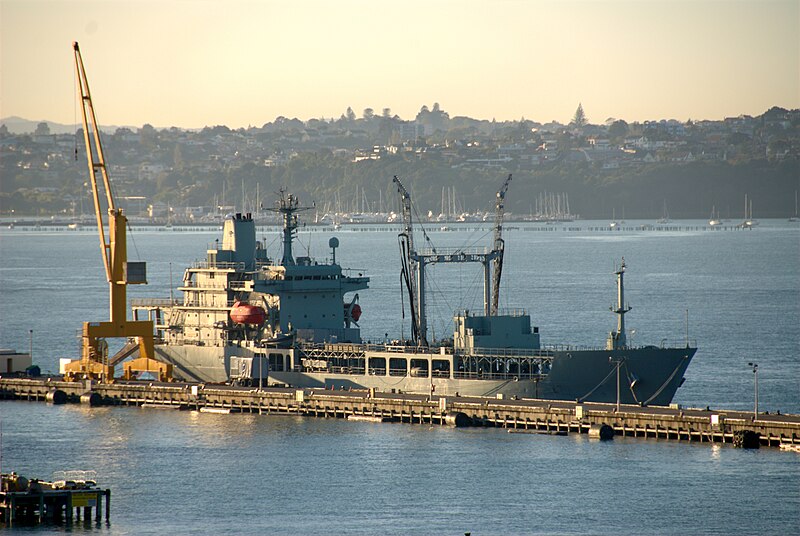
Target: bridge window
{"x": 398, "y": 366}
{"x": 419, "y": 368}
{"x": 377, "y": 366}
{"x": 441, "y": 368}
{"x": 276, "y": 362}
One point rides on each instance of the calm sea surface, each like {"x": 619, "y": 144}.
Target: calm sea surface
{"x": 189, "y": 473}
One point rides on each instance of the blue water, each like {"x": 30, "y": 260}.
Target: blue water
{"x": 189, "y": 473}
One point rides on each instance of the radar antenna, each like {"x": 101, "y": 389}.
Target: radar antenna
{"x": 288, "y": 205}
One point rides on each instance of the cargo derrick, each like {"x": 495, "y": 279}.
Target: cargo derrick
{"x": 499, "y": 245}
{"x": 93, "y": 363}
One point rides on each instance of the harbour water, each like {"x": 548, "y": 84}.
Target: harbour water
{"x": 185, "y": 472}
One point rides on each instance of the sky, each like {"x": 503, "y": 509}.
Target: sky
{"x": 240, "y": 63}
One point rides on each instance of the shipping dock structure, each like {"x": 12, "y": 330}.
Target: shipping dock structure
{"x": 738, "y": 428}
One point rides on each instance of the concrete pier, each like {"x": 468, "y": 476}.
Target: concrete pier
{"x": 737, "y": 428}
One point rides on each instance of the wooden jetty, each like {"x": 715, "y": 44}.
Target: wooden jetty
{"x": 659, "y": 422}
{"x": 24, "y": 501}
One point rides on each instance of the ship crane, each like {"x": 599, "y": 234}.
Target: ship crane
{"x": 408, "y": 272}
{"x": 414, "y": 262}
{"x": 499, "y": 244}
{"x": 94, "y": 363}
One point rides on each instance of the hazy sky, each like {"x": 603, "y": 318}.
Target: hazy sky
{"x": 192, "y": 63}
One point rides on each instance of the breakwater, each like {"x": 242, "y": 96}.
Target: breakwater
{"x": 744, "y": 429}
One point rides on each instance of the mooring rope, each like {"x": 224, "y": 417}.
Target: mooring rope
{"x": 664, "y": 385}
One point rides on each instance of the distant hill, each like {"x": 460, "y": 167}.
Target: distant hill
{"x": 20, "y": 125}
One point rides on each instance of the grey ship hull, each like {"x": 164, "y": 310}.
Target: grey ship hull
{"x": 238, "y": 301}
{"x": 648, "y": 375}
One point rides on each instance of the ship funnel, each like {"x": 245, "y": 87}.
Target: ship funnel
{"x": 239, "y": 239}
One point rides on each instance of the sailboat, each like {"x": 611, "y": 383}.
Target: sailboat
{"x": 795, "y": 218}
{"x": 714, "y": 220}
{"x": 613, "y": 224}
{"x": 665, "y": 217}
{"x": 748, "y": 222}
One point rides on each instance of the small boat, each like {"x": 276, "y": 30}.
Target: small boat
{"x": 247, "y": 314}
{"x": 748, "y": 222}
{"x": 714, "y": 220}
{"x": 665, "y": 216}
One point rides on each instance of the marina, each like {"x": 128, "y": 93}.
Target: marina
{"x": 738, "y": 428}
{"x": 592, "y": 226}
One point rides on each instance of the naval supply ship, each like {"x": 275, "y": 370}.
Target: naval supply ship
{"x": 248, "y": 319}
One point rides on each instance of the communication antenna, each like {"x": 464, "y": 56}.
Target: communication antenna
{"x": 687, "y": 328}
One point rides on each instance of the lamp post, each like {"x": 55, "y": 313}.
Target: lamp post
{"x": 30, "y": 344}
{"x": 754, "y": 366}
{"x": 260, "y": 372}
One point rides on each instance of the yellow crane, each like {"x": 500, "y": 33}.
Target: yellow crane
{"x": 120, "y": 273}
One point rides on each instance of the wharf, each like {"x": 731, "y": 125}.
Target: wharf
{"x": 659, "y": 422}
{"x": 33, "y": 501}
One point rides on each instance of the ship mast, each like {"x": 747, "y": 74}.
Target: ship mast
{"x": 617, "y": 339}
{"x": 288, "y": 206}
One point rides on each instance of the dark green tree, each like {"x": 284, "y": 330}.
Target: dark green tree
{"x": 618, "y": 129}
{"x": 579, "y": 120}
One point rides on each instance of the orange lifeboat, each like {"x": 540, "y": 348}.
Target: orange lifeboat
{"x": 355, "y": 312}
{"x": 244, "y": 313}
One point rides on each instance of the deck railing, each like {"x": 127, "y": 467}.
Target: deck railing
{"x": 154, "y": 302}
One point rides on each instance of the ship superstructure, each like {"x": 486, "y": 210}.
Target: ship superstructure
{"x": 239, "y": 301}
{"x": 247, "y": 318}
